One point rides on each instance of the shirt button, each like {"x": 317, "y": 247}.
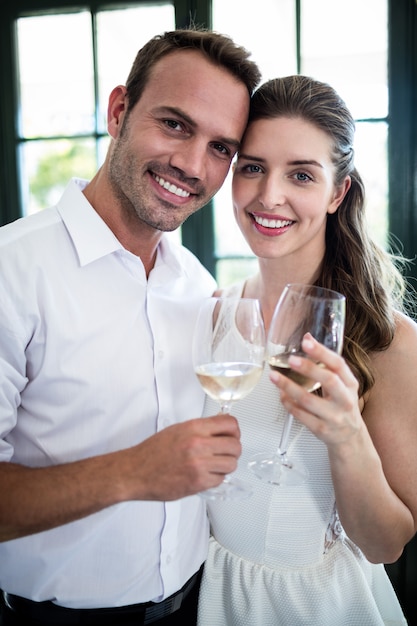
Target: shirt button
{"x": 168, "y": 560}
{"x": 161, "y": 354}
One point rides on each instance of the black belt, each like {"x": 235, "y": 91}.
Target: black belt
{"x": 145, "y": 613}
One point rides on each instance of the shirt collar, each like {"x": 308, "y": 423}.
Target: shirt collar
{"x": 90, "y": 235}
{"x": 93, "y": 239}
{"x": 170, "y": 255}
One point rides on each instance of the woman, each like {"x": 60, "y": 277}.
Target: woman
{"x": 313, "y": 554}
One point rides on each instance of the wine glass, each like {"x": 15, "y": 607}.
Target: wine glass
{"x": 228, "y": 357}
{"x": 300, "y": 309}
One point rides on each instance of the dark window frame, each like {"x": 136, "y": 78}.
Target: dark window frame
{"x": 198, "y": 231}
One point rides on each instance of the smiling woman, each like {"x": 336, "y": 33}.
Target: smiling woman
{"x": 316, "y": 548}
{"x": 284, "y": 184}
{"x": 299, "y": 40}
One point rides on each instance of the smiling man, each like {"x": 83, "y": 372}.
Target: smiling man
{"x": 101, "y": 448}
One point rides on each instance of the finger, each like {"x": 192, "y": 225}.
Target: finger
{"x": 221, "y": 424}
{"x": 217, "y": 436}
{"x": 332, "y": 361}
{"x": 319, "y": 353}
{"x": 325, "y": 413}
{"x": 316, "y": 375}
{"x": 335, "y": 395}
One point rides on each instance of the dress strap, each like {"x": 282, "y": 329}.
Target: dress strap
{"x": 235, "y": 290}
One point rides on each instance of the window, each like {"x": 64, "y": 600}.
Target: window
{"x": 286, "y": 37}
{"x": 53, "y": 97}
{"x": 63, "y": 97}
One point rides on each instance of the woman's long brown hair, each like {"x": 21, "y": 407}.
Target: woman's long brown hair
{"x": 353, "y": 264}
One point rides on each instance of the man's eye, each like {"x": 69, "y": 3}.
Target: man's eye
{"x": 221, "y": 148}
{"x": 173, "y": 124}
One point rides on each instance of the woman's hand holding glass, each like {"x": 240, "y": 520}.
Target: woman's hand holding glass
{"x": 301, "y": 309}
{"x": 333, "y": 416}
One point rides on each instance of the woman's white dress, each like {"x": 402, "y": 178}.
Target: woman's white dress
{"x": 280, "y": 557}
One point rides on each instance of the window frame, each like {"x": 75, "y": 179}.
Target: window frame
{"x": 402, "y": 129}
{"x": 198, "y": 230}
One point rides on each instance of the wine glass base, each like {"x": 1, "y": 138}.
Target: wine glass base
{"x": 229, "y": 489}
{"x": 276, "y": 471}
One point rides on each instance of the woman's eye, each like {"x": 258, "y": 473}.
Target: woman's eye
{"x": 302, "y": 176}
{"x": 252, "y": 169}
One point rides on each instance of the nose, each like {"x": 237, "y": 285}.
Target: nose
{"x": 190, "y": 158}
{"x": 272, "y": 192}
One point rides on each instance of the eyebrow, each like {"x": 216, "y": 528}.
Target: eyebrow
{"x": 249, "y": 157}
{"x": 306, "y": 162}
{"x": 176, "y": 112}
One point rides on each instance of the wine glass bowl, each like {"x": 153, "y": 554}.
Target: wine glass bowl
{"x": 228, "y": 358}
{"x": 300, "y": 309}
{"x": 280, "y": 364}
{"x": 228, "y": 381}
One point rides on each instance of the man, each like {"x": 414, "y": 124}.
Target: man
{"x": 101, "y": 448}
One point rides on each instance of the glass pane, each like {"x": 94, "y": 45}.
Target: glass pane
{"x": 102, "y": 146}
{"x": 268, "y": 31}
{"x": 229, "y": 271}
{"x": 346, "y": 46}
{"x": 120, "y": 34}
{"x": 56, "y": 75}
{"x": 47, "y": 166}
{"x": 371, "y": 161}
{"x": 266, "y": 28}
{"x": 229, "y": 239}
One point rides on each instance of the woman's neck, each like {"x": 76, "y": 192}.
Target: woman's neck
{"x": 268, "y": 284}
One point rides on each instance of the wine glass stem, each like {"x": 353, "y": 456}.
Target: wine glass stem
{"x": 285, "y": 435}
{"x": 225, "y": 407}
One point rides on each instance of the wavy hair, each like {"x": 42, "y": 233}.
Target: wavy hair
{"x": 353, "y": 264}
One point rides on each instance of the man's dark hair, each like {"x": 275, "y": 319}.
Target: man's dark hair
{"x": 218, "y": 49}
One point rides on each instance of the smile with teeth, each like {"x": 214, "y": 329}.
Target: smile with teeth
{"x": 263, "y": 221}
{"x": 170, "y": 187}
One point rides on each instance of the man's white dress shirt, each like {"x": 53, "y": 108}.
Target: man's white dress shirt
{"x": 95, "y": 358}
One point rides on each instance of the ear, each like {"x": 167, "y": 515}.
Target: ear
{"x": 339, "y": 194}
{"x": 116, "y": 110}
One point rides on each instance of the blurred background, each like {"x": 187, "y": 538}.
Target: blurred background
{"x": 59, "y": 60}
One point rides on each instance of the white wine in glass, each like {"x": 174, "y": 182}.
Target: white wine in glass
{"x": 228, "y": 357}
{"x": 300, "y": 309}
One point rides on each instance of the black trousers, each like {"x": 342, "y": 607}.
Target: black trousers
{"x": 186, "y": 615}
